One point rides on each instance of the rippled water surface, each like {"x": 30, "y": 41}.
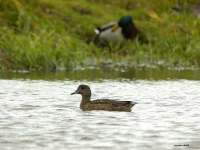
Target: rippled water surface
{"x": 38, "y": 112}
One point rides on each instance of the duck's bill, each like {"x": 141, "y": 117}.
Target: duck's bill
{"x": 76, "y": 92}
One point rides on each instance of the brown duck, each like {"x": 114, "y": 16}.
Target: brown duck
{"x": 101, "y": 104}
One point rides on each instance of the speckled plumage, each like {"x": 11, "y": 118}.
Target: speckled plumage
{"x": 101, "y": 104}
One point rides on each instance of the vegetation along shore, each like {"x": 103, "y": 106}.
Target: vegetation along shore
{"x": 45, "y": 34}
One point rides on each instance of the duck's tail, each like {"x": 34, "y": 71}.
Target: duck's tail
{"x": 130, "y": 102}
{"x": 133, "y": 103}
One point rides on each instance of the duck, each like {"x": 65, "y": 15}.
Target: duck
{"x": 195, "y": 9}
{"x": 101, "y": 104}
{"x": 115, "y": 33}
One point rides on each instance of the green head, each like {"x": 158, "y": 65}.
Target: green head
{"x": 124, "y": 21}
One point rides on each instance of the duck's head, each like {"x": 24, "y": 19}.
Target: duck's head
{"x": 83, "y": 90}
{"x": 123, "y": 22}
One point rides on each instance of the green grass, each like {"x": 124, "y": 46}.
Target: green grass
{"x": 47, "y": 34}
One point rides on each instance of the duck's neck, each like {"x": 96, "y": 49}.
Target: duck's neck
{"x": 85, "y": 100}
{"x": 130, "y": 32}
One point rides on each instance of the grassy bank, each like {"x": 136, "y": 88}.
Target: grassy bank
{"x": 45, "y": 34}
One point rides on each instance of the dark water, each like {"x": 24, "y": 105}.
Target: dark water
{"x": 38, "y": 112}
{"x": 118, "y": 73}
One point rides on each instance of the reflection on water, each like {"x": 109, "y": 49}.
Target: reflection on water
{"x": 108, "y": 73}
{"x": 41, "y": 114}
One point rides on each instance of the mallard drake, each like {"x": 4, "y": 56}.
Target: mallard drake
{"x": 195, "y": 9}
{"x": 115, "y": 33}
{"x": 101, "y": 104}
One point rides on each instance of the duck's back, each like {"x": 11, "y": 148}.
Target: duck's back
{"x": 109, "y": 105}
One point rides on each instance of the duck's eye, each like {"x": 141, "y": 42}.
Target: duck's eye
{"x": 82, "y": 87}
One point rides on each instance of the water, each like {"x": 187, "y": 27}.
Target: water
{"x": 38, "y": 112}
